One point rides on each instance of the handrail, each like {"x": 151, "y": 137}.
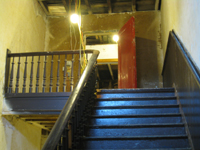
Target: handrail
{"x": 49, "y": 53}
{"x": 64, "y": 116}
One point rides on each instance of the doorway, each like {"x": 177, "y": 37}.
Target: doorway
{"x": 107, "y": 62}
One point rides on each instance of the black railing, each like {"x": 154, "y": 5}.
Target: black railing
{"x": 74, "y": 114}
{"x": 41, "y": 72}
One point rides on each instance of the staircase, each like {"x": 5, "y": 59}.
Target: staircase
{"x": 136, "y": 119}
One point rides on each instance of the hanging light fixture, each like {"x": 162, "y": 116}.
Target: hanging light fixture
{"x": 115, "y": 38}
{"x": 74, "y": 18}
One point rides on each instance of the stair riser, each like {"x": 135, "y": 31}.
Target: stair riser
{"x": 136, "y": 144}
{"x": 129, "y": 121}
{"x": 124, "y": 95}
{"x": 138, "y": 102}
{"x": 135, "y": 111}
{"x": 136, "y": 131}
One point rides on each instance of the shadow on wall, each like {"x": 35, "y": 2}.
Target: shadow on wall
{"x": 147, "y": 63}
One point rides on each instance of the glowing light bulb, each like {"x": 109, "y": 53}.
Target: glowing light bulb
{"x": 74, "y": 18}
{"x": 116, "y": 38}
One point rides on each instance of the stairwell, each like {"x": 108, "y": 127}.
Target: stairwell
{"x": 147, "y": 119}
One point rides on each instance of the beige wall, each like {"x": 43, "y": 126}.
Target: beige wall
{"x": 183, "y": 17}
{"x": 23, "y": 29}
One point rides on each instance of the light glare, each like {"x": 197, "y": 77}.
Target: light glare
{"x": 116, "y": 38}
{"x": 74, "y": 18}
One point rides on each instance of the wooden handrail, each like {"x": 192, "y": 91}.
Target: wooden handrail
{"x": 65, "y": 115}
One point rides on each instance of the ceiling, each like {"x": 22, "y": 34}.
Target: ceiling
{"x": 63, "y": 7}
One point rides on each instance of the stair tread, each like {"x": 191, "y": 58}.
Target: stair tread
{"x": 139, "y": 125}
{"x": 139, "y": 115}
{"x": 134, "y": 137}
{"x": 146, "y": 149}
{"x": 138, "y": 98}
{"x": 137, "y": 106}
{"x": 138, "y": 90}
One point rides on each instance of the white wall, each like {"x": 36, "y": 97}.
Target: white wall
{"x": 107, "y": 51}
{"x": 23, "y": 29}
{"x": 184, "y": 17}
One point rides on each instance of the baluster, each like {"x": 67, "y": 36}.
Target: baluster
{"x": 31, "y": 76}
{"x": 79, "y": 67}
{"x": 44, "y": 74}
{"x": 58, "y": 74}
{"x": 38, "y": 76}
{"x": 25, "y": 73}
{"x": 17, "y": 77}
{"x": 87, "y": 57}
{"x": 51, "y": 76}
{"x": 64, "y": 75}
{"x": 11, "y": 77}
{"x": 65, "y": 141}
{"x": 72, "y": 73}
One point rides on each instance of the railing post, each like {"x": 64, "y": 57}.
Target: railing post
{"x": 17, "y": 77}
{"x": 51, "y": 76}
{"x": 79, "y": 67}
{"x": 38, "y": 76}
{"x": 25, "y": 73}
{"x": 31, "y": 76}
{"x": 44, "y": 74}
{"x": 7, "y": 70}
{"x": 64, "y": 74}
{"x": 58, "y": 75}
{"x": 72, "y": 73}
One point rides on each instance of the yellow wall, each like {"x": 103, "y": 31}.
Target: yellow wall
{"x": 22, "y": 29}
{"x": 183, "y": 17}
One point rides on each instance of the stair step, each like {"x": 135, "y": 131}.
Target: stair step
{"x": 137, "y": 126}
{"x": 137, "y": 142}
{"x": 137, "y": 116}
{"x": 137, "y": 106}
{"x": 135, "y": 119}
{"x": 124, "y": 93}
{"x": 138, "y": 98}
{"x": 147, "y": 149}
{"x": 132, "y": 95}
{"x": 137, "y": 137}
{"x": 138, "y": 90}
{"x": 133, "y": 110}
{"x": 135, "y": 130}
{"x": 136, "y": 101}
